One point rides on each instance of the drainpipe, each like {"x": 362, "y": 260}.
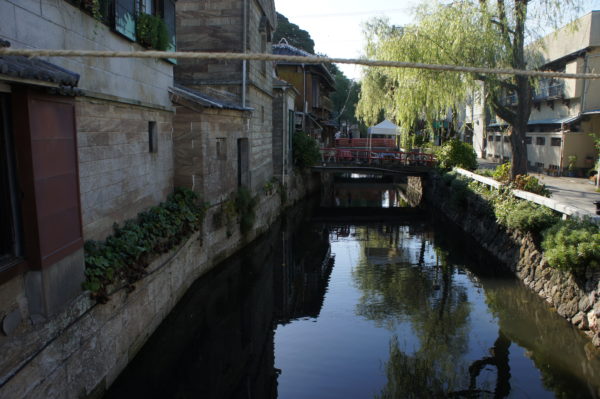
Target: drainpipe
{"x": 304, "y": 107}
{"x": 562, "y": 147}
{"x": 284, "y": 138}
{"x": 244, "y": 43}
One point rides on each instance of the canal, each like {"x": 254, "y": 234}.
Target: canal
{"x": 326, "y": 305}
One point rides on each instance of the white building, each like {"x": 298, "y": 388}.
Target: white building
{"x": 565, "y": 112}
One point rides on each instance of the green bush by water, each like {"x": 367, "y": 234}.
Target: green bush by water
{"x": 455, "y": 153}
{"x": 573, "y": 245}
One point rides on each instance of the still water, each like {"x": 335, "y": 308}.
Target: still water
{"x": 316, "y": 309}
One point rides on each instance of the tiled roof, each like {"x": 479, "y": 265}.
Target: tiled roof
{"x": 288, "y": 49}
{"x": 204, "y": 100}
{"x": 17, "y": 66}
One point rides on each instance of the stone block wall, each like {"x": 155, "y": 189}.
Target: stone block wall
{"x": 261, "y": 135}
{"x": 209, "y": 26}
{"x": 119, "y": 177}
{"x": 56, "y": 24}
{"x": 198, "y": 163}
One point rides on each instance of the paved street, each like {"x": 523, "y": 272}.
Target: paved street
{"x": 573, "y": 191}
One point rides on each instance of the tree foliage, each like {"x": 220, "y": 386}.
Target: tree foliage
{"x": 478, "y": 33}
{"x": 305, "y": 150}
{"x": 294, "y": 35}
{"x": 456, "y": 153}
{"x": 345, "y": 97}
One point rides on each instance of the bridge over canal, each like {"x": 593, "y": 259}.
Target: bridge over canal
{"x": 359, "y": 158}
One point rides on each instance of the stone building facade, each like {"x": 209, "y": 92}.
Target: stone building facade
{"x": 233, "y": 26}
{"x": 284, "y": 97}
{"x": 85, "y": 143}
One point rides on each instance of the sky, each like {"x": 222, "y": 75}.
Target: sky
{"x": 336, "y": 25}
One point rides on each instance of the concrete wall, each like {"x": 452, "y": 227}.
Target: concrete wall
{"x": 571, "y": 38}
{"x": 56, "y": 24}
{"x": 118, "y": 175}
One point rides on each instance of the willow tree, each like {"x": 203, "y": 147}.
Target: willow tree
{"x": 479, "y": 33}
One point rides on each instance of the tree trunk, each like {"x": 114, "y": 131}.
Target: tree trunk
{"x": 519, "y": 128}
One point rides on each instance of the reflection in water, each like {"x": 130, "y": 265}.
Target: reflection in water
{"x": 341, "y": 311}
{"x": 363, "y": 192}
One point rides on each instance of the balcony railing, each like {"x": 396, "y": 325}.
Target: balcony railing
{"x": 550, "y": 92}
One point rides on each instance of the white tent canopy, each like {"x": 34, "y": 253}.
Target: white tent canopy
{"x": 387, "y": 128}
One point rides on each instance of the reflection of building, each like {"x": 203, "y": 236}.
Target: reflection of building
{"x": 302, "y": 279}
{"x": 314, "y": 83}
{"x": 564, "y": 112}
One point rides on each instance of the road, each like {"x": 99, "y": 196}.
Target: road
{"x": 573, "y": 191}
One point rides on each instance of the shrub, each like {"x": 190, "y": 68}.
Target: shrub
{"x": 530, "y": 184}
{"x": 459, "y": 192}
{"x": 151, "y": 31}
{"x": 456, "y": 153}
{"x": 573, "y": 245}
{"x": 125, "y": 254}
{"x": 245, "y": 205}
{"x": 502, "y": 173}
{"x": 305, "y": 150}
{"x": 485, "y": 172}
{"x": 529, "y": 217}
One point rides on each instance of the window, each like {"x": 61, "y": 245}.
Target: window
{"x": 539, "y": 165}
{"x": 527, "y": 140}
{"x": 490, "y": 138}
{"x": 47, "y": 174}
{"x": 221, "y": 148}
{"x": 152, "y": 137}
{"x": 498, "y": 138}
{"x": 122, "y": 15}
{"x": 555, "y": 141}
{"x": 540, "y": 141}
{"x": 506, "y": 139}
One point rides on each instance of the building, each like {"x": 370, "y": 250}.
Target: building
{"x": 314, "y": 84}
{"x": 86, "y": 143}
{"x": 230, "y": 26}
{"x": 284, "y": 99}
{"x": 565, "y": 111}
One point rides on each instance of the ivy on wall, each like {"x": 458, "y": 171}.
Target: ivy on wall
{"x": 125, "y": 255}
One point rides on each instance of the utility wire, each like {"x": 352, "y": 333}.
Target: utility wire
{"x": 294, "y": 59}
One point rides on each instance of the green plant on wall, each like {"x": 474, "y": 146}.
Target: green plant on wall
{"x": 573, "y": 245}
{"x": 230, "y": 212}
{"x": 125, "y": 254}
{"x": 151, "y": 31}
{"x": 245, "y": 205}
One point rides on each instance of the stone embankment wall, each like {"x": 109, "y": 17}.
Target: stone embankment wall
{"x": 81, "y": 351}
{"x": 577, "y": 300}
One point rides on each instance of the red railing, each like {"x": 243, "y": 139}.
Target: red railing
{"x": 374, "y": 143}
{"x": 376, "y": 157}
